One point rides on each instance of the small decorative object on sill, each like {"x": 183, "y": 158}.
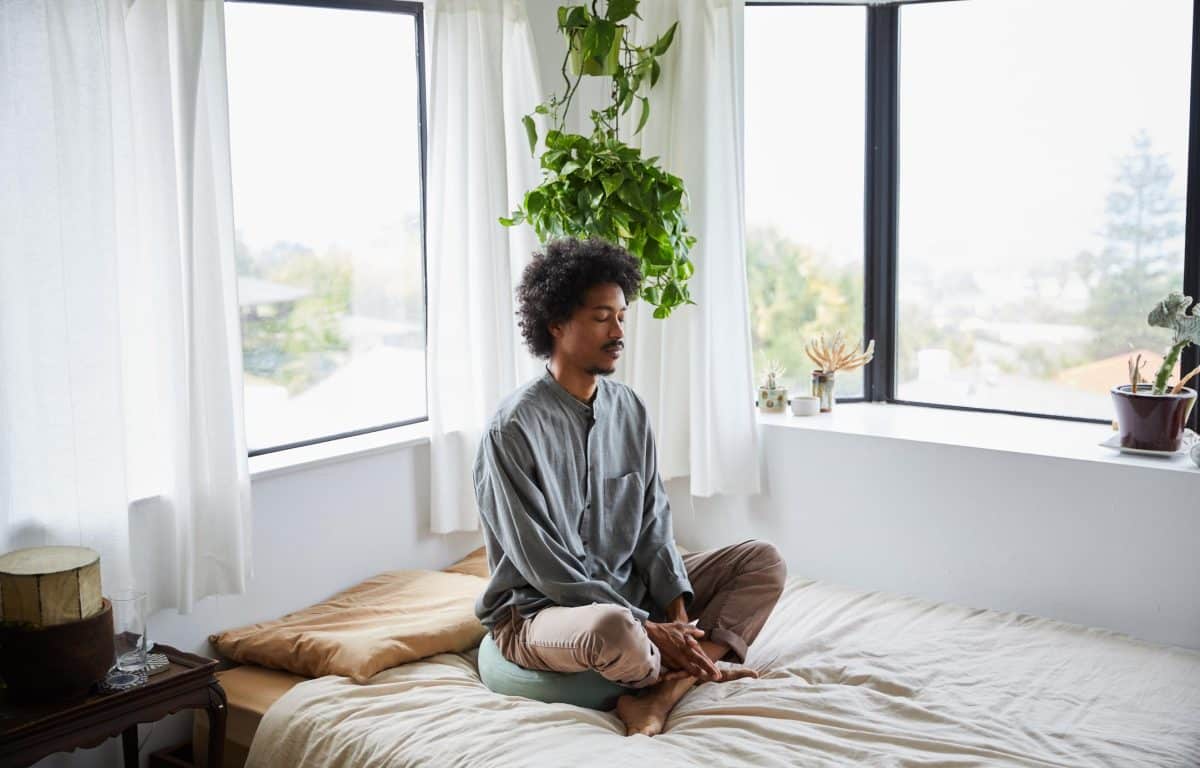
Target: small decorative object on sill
{"x": 804, "y": 405}
{"x": 773, "y": 395}
{"x": 1151, "y": 417}
{"x": 55, "y": 628}
{"x": 832, "y": 356}
{"x": 822, "y": 389}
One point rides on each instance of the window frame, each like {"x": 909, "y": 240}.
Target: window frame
{"x": 417, "y": 11}
{"x": 881, "y": 209}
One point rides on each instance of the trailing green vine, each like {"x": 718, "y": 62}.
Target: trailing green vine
{"x": 598, "y": 186}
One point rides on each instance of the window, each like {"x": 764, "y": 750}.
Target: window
{"x": 1025, "y": 204}
{"x": 804, "y": 183}
{"x": 1042, "y": 180}
{"x": 325, "y": 131}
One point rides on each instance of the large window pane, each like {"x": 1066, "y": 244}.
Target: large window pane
{"x": 805, "y": 91}
{"x": 1042, "y": 169}
{"x": 324, "y": 125}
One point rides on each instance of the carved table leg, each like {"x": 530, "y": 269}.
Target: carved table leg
{"x": 129, "y": 742}
{"x": 216, "y": 725}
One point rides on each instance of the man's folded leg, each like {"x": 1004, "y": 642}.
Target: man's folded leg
{"x": 602, "y": 637}
{"x": 734, "y": 589}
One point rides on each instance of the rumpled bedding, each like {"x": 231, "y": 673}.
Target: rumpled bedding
{"x": 849, "y": 678}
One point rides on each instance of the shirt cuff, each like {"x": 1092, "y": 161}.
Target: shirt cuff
{"x": 667, "y": 583}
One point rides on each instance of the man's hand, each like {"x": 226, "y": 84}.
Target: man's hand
{"x": 679, "y": 644}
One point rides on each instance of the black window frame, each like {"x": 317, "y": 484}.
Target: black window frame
{"x": 417, "y": 11}
{"x": 881, "y": 209}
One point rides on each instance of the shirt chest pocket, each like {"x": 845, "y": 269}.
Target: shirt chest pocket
{"x": 623, "y": 497}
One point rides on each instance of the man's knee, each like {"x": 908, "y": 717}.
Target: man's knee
{"x": 766, "y": 561}
{"x": 613, "y": 628}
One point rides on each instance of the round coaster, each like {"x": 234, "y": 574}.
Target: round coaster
{"x": 116, "y": 680}
{"x": 156, "y": 662}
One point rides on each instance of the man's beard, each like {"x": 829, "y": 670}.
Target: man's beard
{"x": 597, "y": 371}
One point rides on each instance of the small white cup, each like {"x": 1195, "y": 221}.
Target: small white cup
{"x": 805, "y": 405}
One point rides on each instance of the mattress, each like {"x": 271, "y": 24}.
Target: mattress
{"x": 849, "y": 678}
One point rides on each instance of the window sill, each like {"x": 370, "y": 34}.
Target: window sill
{"x": 308, "y": 456}
{"x": 1073, "y": 441}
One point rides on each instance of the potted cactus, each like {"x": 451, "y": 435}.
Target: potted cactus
{"x": 1151, "y": 416}
{"x": 773, "y": 395}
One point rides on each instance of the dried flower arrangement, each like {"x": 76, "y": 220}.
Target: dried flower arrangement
{"x": 833, "y": 355}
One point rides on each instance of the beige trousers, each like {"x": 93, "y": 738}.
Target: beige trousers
{"x": 734, "y": 589}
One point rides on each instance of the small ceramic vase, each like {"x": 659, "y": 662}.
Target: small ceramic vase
{"x": 772, "y": 400}
{"x": 822, "y": 389}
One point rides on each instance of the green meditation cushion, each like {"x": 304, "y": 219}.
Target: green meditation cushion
{"x": 583, "y": 689}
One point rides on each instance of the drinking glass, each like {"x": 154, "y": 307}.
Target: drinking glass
{"x": 129, "y": 627}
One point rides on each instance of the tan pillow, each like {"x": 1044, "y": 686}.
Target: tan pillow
{"x": 474, "y": 563}
{"x": 385, "y": 621}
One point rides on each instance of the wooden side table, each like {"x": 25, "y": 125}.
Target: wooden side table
{"x": 30, "y": 731}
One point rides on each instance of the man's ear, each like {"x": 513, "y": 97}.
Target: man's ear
{"x": 556, "y": 329}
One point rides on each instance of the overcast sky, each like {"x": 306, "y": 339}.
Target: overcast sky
{"x": 1013, "y": 114}
{"x": 324, "y": 140}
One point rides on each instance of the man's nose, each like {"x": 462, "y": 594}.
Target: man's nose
{"x": 616, "y": 330}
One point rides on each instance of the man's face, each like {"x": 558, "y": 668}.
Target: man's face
{"x": 593, "y": 337}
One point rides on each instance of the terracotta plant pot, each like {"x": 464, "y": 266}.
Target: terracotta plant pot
{"x": 1152, "y": 422}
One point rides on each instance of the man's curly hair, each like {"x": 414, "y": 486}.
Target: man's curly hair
{"x": 553, "y": 285}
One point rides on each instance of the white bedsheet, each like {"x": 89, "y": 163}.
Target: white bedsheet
{"x": 853, "y": 678}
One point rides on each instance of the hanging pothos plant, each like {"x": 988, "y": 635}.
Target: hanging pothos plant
{"x": 597, "y": 186}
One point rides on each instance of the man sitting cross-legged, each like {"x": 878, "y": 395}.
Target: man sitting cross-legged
{"x": 585, "y": 573}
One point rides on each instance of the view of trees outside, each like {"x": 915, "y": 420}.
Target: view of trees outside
{"x": 1042, "y": 177}
{"x": 1041, "y": 192}
{"x": 326, "y": 179}
{"x": 805, "y": 118}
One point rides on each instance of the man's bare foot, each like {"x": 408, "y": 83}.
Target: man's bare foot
{"x": 641, "y": 714}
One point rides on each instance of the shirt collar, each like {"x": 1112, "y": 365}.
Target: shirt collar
{"x": 599, "y": 402}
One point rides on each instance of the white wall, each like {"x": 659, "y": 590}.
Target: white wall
{"x": 1107, "y": 545}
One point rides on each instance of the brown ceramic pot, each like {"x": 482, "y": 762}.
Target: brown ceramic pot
{"x": 1151, "y": 422}
{"x": 57, "y": 662}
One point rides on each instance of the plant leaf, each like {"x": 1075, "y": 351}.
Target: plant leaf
{"x": 669, "y": 200}
{"x": 645, "y": 114}
{"x": 621, "y": 9}
{"x": 655, "y": 71}
{"x": 664, "y": 42}
{"x": 530, "y": 133}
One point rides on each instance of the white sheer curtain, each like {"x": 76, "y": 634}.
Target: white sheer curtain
{"x": 483, "y": 78}
{"x": 694, "y": 370}
{"x": 120, "y": 357}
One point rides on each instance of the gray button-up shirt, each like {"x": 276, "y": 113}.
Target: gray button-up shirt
{"x": 573, "y": 509}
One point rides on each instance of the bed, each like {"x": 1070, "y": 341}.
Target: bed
{"x": 849, "y": 678}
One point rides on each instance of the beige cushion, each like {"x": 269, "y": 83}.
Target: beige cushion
{"x": 473, "y": 564}
{"x": 385, "y": 621}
